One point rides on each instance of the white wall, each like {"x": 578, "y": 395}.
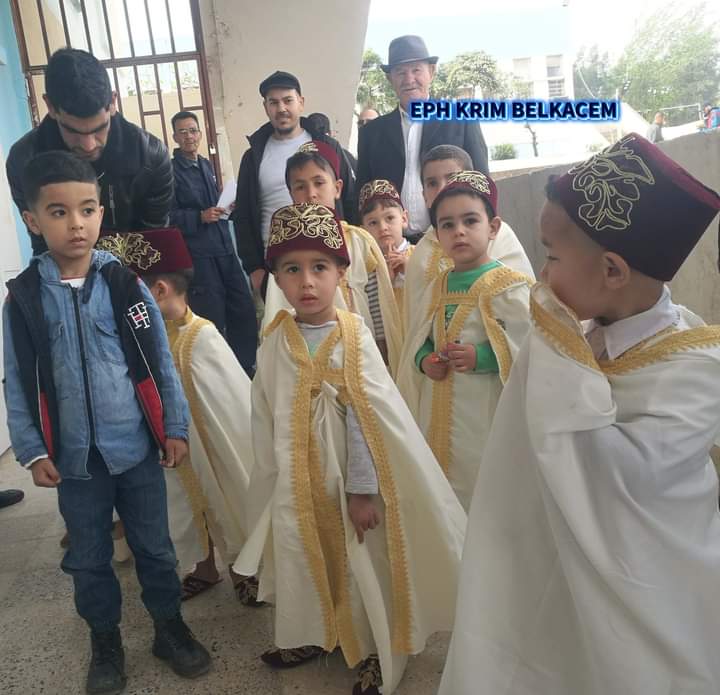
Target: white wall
{"x": 697, "y": 284}
{"x": 319, "y": 41}
{"x": 10, "y": 266}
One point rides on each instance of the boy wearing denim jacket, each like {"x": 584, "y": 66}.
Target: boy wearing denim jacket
{"x": 92, "y": 397}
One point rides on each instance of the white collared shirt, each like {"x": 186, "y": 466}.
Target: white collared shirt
{"x": 411, "y": 194}
{"x": 611, "y": 341}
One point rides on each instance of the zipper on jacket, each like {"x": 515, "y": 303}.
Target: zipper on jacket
{"x": 111, "y": 194}
{"x": 83, "y": 362}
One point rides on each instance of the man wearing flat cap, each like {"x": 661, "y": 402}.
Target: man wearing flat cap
{"x": 261, "y": 188}
{"x": 391, "y": 146}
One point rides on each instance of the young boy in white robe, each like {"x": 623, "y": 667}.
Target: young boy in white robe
{"x": 458, "y": 356}
{"x": 356, "y": 528}
{"x": 206, "y": 494}
{"x": 592, "y": 561}
{"x": 383, "y": 215}
{"x": 428, "y": 260}
{"x": 312, "y": 176}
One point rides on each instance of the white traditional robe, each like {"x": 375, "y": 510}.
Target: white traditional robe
{"x": 592, "y": 561}
{"x": 428, "y": 262}
{"x": 365, "y": 258}
{"x": 388, "y": 594}
{"x": 208, "y": 490}
{"x": 455, "y": 414}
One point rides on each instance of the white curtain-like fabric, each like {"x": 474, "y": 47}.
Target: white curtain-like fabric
{"x": 592, "y": 559}
{"x": 388, "y": 594}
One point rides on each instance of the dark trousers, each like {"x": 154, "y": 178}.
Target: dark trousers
{"x": 140, "y": 499}
{"x": 220, "y": 293}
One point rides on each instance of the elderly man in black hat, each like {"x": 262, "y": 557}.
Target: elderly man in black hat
{"x": 261, "y": 188}
{"x": 391, "y": 147}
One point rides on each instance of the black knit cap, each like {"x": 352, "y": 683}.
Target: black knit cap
{"x": 279, "y": 79}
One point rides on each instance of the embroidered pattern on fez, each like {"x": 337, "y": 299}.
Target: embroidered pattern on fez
{"x": 378, "y": 187}
{"x": 474, "y": 179}
{"x": 609, "y": 182}
{"x": 130, "y": 249}
{"x": 308, "y": 147}
{"x": 311, "y": 221}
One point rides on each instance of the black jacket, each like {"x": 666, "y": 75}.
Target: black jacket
{"x": 32, "y": 348}
{"x": 246, "y": 216}
{"x": 134, "y": 173}
{"x": 381, "y": 147}
{"x": 196, "y": 190}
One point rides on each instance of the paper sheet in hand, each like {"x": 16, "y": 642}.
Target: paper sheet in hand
{"x": 227, "y": 197}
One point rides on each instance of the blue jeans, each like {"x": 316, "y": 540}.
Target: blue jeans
{"x": 140, "y": 499}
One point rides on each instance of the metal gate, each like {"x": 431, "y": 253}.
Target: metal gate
{"x": 153, "y": 51}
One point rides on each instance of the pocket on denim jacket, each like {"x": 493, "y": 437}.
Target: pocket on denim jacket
{"x": 108, "y": 340}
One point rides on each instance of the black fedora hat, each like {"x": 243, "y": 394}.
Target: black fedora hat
{"x": 407, "y": 49}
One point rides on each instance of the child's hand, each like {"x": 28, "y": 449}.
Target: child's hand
{"x": 363, "y": 514}
{"x": 462, "y": 356}
{"x": 45, "y": 474}
{"x": 396, "y": 263}
{"x": 434, "y": 368}
{"x": 175, "y": 451}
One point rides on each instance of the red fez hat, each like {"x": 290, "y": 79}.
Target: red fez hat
{"x": 379, "y": 189}
{"x": 151, "y": 251}
{"x": 470, "y": 181}
{"x": 634, "y": 200}
{"x": 326, "y": 151}
{"x": 305, "y": 226}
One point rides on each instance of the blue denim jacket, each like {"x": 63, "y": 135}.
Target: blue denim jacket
{"x": 119, "y": 429}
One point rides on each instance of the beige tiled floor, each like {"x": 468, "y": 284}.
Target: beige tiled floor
{"x": 44, "y": 645}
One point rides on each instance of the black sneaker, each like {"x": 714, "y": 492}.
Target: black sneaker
{"x": 175, "y": 644}
{"x": 106, "y": 674}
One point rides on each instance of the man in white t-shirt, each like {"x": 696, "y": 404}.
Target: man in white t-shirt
{"x": 261, "y": 186}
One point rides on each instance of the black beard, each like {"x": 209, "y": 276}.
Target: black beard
{"x": 284, "y": 131}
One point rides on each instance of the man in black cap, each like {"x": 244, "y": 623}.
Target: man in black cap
{"x": 261, "y": 187}
{"x": 391, "y": 146}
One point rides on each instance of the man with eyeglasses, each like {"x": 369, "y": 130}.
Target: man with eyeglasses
{"x": 133, "y": 167}
{"x": 219, "y": 291}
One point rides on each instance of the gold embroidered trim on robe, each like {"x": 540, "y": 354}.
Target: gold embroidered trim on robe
{"x": 480, "y": 295}
{"x": 561, "y": 336}
{"x": 318, "y": 513}
{"x": 437, "y": 264}
{"x": 181, "y": 345}
{"x": 648, "y": 353}
{"x": 395, "y": 534}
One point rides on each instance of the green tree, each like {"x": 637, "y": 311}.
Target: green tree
{"x": 673, "y": 59}
{"x": 505, "y": 150}
{"x": 467, "y": 72}
{"x": 374, "y": 89}
{"x": 592, "y": 75}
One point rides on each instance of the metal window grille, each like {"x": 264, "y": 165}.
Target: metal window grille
{"x": 153, "y": 51}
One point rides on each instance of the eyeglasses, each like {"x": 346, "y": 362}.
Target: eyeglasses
{"x": 187, "y": 131}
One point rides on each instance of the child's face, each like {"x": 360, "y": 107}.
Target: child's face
{"x": 312, "y": 184}
{"x": 386, "y": 225}
{"x": 465, "y": 231}
{"x": 68, "y": 216}
{"x": 309, "y": 280}
{"x": 435, "y": 176}
{"x": 574, "y": 266}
